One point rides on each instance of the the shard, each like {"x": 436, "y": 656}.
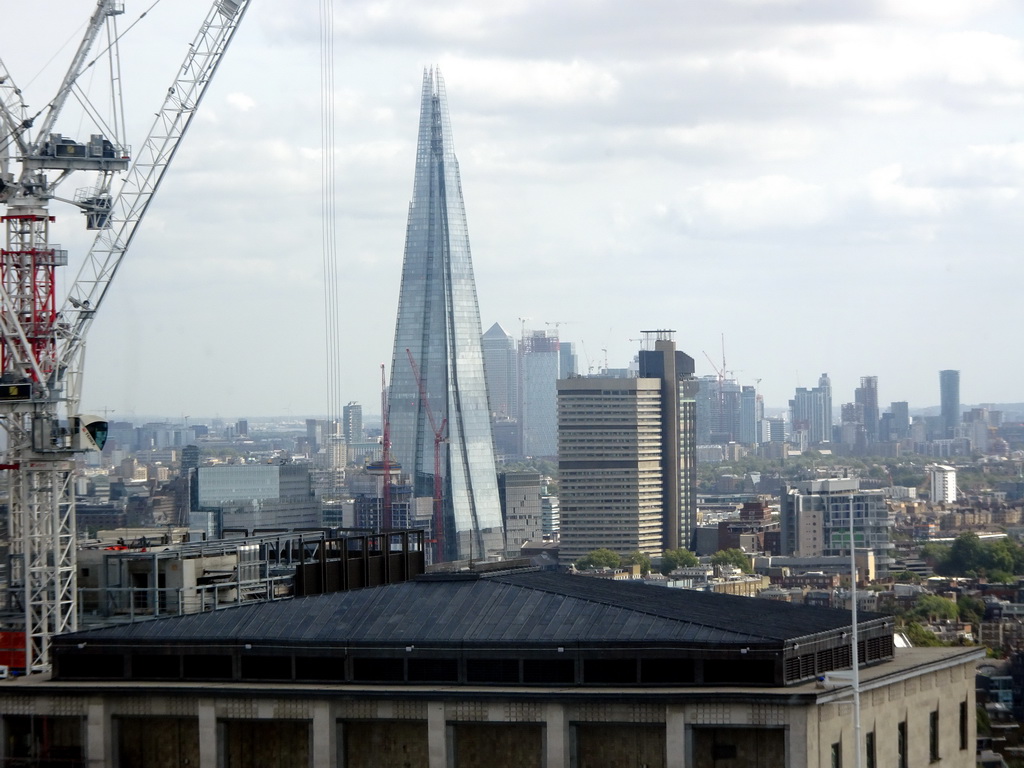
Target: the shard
{"x": 437, "y": 335}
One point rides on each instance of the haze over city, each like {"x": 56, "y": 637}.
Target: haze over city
{"x": 832, "y": 188}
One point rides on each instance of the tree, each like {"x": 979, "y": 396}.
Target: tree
{"x": 599, "y": 558}
{"x": 971, "y": 609}
{"x": 966, "y": 554}
{"x": 732, "y": 557}
{"x": 677, "y": 558}
{"x": 933, "y": 607}
{"x": 921, "y": 636}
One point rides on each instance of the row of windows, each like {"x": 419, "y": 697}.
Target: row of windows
{"x": 902, "y": 743}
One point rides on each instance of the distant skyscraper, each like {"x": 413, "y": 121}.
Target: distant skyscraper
{"x": 439, "y": 324}
{"x": 501, "y": 364}
{"x": 900, "y": 419}
{"x": 811, "y": 411}
{"x": 567, "y": 364}
{"x": 751, "y": 415}
{"x": 949, "y": 393}
{"x": 352, "y": 423}
{"x": 867, "y": 395}
{"x": 539, "y": 370}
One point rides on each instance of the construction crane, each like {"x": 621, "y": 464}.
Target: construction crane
{"x": 42, "y": 348}
{"x": 440, "y": 437}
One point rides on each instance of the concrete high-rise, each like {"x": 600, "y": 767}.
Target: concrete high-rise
{"x": 438, "y": 326}
{"x": 627, "y": 457}
{"x": 949, "y": 398}
{"x": 352, "y": 423}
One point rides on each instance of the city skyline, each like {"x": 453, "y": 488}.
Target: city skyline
{"x": 749, "y": 155}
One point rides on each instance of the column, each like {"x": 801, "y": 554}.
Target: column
{"x": 98, "y": 741}
{"x": 207, "y": 733}
{"x": 437, "y": 735}
{"x": 675, "y": 736}
{"x": 325, "y": 730}
{"x": 556, "y": 736}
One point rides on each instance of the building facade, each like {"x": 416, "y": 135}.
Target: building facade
{"x": 815, "y": 520}
{"x": 438, "y": 343}
{"x": 527, "y": 670}
{"x": 539, "y": 366}
{"x": 811, "y": 411}
{"x": 949, "y": 399}
{"x": 943, "y": 483}
{"x": 627, "y": 457}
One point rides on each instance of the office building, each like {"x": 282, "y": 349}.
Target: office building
{"x": 815, "y": 520}
{"x": 811, "y": 411}
{"x": 243, "y": 498}
{"x": 942, "y": 483}
{"x": 352, "y": 423}
{"x": 539, "y": 366}
{"x": 568, "y": 365}
{"x": 949, "y": 397}
{"x": 900, "y": 420}
{"x": 438, "y": 337}
{"x": 522, "y": 510}
{"x": 751, "y": 416}
{"x": 501, "y": 367}
{"x": 479, "y": 670}
{"x": 866, "y": 396}
{"x": 627, "y": 457}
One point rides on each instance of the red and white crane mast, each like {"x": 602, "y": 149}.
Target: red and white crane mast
{"x": 42, "y": 347}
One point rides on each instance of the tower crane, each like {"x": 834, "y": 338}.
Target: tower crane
{"x": 42, "y": 348}
{"x": 440, "y": 437}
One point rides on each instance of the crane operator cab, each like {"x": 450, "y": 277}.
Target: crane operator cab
{"x": 88, "y": 433}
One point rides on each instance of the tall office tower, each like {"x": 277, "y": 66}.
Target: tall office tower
{"x": 679, "y": 433}
{"x": 825, "y": 390}
{"x": 610, "y": 464}
{"x": 949, "y": 394}
{"x": 352, "y": 423}
{"x": 538, "y": 363}
{"x": 751, "y": 415}
{"x": 709, "y": 409}
{"x": 501, "y": 366}
{"x": 900, "y": 419}
{"x": 867, "y": 395}
{"x": 811, "y": 411}
{"x": 627, "y": 457}
{"x": 567, "y": 362}
{"x": 439, "y": 328}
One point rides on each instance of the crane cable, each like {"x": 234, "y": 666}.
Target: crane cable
{"x": 328, "y": 213}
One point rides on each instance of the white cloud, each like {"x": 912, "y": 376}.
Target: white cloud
{"x": 888, "y": 189}
{"x": 240, "y": 101}
{"x": 763, "y": 203}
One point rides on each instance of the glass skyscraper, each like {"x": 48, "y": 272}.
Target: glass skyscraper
{"x": 438, "y": 327}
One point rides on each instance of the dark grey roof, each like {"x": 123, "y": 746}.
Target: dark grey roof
{"x": 522, "y": 607}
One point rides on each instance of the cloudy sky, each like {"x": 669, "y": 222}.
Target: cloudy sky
{"x": 831, "y": 186}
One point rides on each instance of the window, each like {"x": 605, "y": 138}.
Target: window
{"x": 901, "y": 745}
{"x": 869, "y": 750}
{"x": 837, "y": 755}
{"x": 933, "y": 735}
{"x": 963, "y": 725}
